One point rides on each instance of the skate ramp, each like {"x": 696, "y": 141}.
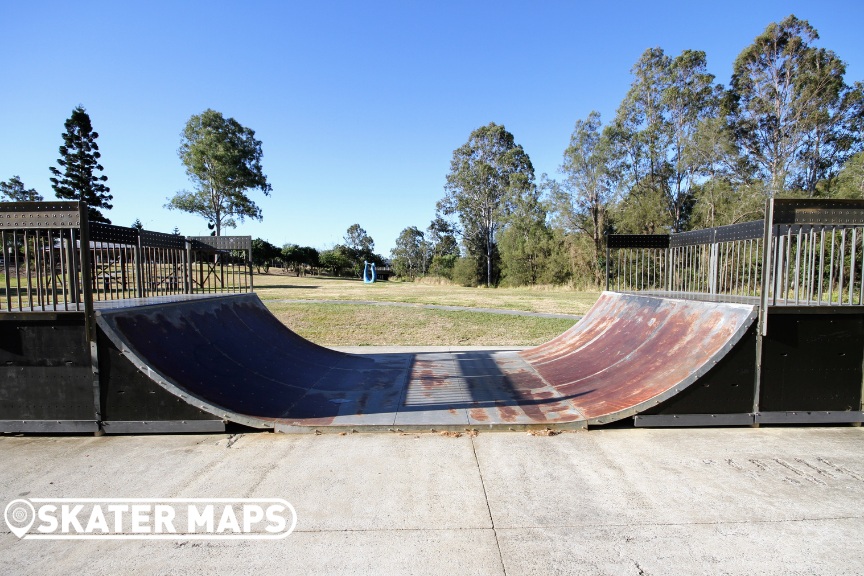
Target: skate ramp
{"x": 230, "y": 357}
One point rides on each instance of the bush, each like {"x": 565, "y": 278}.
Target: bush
{"x": 465, "y": 272}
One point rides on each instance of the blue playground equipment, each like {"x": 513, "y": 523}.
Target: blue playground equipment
{"x": 368, "y": 272}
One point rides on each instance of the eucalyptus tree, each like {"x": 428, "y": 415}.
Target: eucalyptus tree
{"x": 77, "y": 177}
{"x": 359, "y": 247}
{"x": 850, "y": 180}
{"x": 486, "y": 174}
{"x": 581, "y": 200}
{"x": 656, "y": 126}
{"x": 223, "y": 160}
{"x": 411, "y": 254}
{"x": 525, "y": 240}
{"x": 443, "y": 247}
{"x": 357, "y": 239}
{"x": 792, "y": 112}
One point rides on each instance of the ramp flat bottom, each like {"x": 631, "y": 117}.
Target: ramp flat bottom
{"x": 439, "y": 390}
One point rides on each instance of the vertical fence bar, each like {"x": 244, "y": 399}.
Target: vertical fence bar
{"x": 842, "y": 266}
{"x": 831, "y": 270}
{"x": 854, "y": 250}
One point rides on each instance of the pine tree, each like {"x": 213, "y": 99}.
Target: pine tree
{"x": 79, "y": 160}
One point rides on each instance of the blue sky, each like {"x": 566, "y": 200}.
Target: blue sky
{"x": 359, "y": 105}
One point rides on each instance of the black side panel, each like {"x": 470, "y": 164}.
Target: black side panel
{"x": 45, "y": 371}
{"x": 129, "y": 395}
{"x": 812, "y": 362}
{"x": 726, "y": 389}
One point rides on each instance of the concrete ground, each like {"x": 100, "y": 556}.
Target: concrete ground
{"x": 623, "y": 501}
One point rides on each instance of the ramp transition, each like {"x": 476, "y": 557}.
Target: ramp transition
{"x": 228, "y": 359}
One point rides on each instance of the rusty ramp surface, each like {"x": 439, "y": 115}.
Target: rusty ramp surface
{"x": 632, "y": 352}
{"x": 230, "y": 357}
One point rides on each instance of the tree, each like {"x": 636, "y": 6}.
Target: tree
{"x": 308, "y": 257}
{"x": 137, "y": 225}
{"x": 223, "y": 160}
{"x": 357, "y": 239}
{"x": 730, "y": 193}
{"x": 656, "y": 126}
{"x": 850, "y": 180}
{"x": 291, "y": 257}
{"x": 582, "y": 200}
{"x": 336, "y": 260}
{"x": 486, "y": 174}
{"x": 359, "y": 247}
{"x": 443, "y": 247}
{"x": 411, "y": 254}
{"x": 792, "y": 113}
{"x": 14, "y": 191}
{"x": 525, "y": 241}
{"x": 299, "y": 257}
{"x": 79, "y": 161}
{"x": 263, "y": 254}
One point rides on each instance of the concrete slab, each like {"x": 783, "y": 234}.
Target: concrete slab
{"x": 629, "y": 501}
{"x": 624, "y": 477}
{"x": 782, "y": 548}
{"x": 408, "y": 552}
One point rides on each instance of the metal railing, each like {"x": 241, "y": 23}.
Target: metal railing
{"x": 54, "y": 260}
{"x": 815, "y": 257}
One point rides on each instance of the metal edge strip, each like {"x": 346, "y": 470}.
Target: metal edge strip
{"x": 686, "y": 420}
{"x": 48, "y": 426}
{"x": 810, "y": 417}
{"x": 162, "y": 426}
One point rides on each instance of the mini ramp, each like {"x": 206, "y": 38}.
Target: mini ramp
{"x": 207, "y": 361}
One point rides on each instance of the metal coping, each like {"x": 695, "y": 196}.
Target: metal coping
{"x": 161, "y": 240}
{"x": 19, "y": 215}
{"x": 818, "y": 211}
{"x": 692, "y": 238}
{"x": 745, "y": 231}
{"x": 222, "y": 242}
{"x": 784, "y": 229}
{"x": 754, "y": 230}
{"x": 637, "y": 241}
{"x": 113, "y": 234}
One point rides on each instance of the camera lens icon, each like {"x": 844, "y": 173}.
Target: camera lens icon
{"x": 19, "y": 515}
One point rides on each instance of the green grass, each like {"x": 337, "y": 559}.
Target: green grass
{"x": 333, "y": 324}
{"x": 537, "y": 299}
{"x": 359, "y": 325}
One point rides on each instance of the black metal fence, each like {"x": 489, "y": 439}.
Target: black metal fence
{"x": 54, "y": 260}
{"x": 805, "y": 253}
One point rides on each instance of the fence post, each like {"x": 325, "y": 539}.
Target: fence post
{"x": 89, "y": 312}
{"x": 139, "y": 267}
{"x": 762, "y": 328}
{"x": 188, "y": 280}
{"x": 608, "y": 253}
{"x": 249, "y": 261}
{"x": 767, "y": 266}
{"x": 670, "y": 267}
{"x": 713, "y": 266}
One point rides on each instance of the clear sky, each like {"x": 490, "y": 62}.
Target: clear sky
{"x": 359, "y": 105}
